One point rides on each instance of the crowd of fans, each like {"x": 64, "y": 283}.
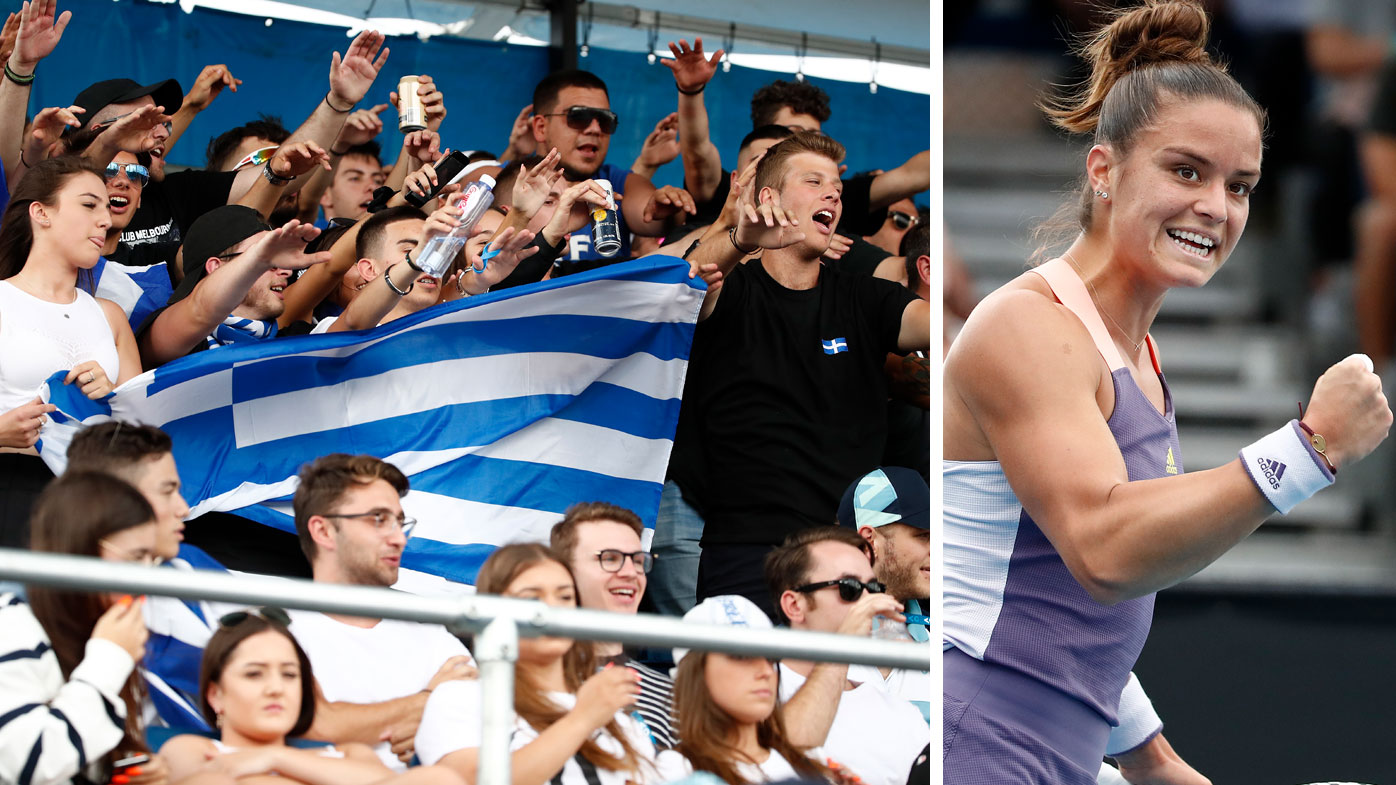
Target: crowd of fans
{"x": 807, "y": 373}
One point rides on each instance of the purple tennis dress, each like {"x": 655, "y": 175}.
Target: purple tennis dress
{"x": 1033, "y": 666}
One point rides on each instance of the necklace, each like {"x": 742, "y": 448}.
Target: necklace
{"x": 1095, "y": 297}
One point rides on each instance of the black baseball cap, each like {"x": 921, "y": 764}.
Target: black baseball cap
{"x": 210, "y": 235}
{"x": 115, "y": 91}
{"x": 890, "y": 494}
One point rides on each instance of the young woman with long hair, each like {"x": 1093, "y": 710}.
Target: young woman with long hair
{"x": 572, "y": 725}
{"x": 1066, "y": 506}
{"x": 51, "y": 236}
{"x": 70, "y": 694}
{"x": 257, "y": 689}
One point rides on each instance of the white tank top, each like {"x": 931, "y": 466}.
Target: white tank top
{"x": 38, "y": 337}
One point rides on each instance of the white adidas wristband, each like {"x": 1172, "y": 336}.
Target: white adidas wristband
{"x": 1285, "y": 467}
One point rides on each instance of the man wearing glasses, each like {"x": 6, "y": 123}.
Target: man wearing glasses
{"x": 572, "y": 112}
{"x": 821, "y": 580}
{"x": 373, "y": 676}
{"x": 601, "y": 542}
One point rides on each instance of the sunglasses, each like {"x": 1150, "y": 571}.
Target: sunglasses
{"x": 105, "y": 124}
{"x": 612, "y": 560}
{"x": 850, "y": 589}
{"x": 269, "y": 612}
{"x": 580, "y": 117}
{"x": 257, "y": 157}
{"x": 137, "y": 174}
{"x": 902, "y": 220}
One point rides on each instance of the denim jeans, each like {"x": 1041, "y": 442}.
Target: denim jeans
{"x": 673, "y": 583}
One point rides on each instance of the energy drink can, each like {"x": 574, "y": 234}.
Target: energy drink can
{"x": 605, "y": 227}
{"x": 410, "y": 113}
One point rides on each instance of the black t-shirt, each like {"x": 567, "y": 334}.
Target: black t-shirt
{"x": 855, "y": 221}
{"x": 785, "y": 402}
{"x": 168, "y": 208}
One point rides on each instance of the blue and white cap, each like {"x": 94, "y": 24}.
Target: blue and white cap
{"x": 730, "y": 610}
{"x": 890, "y": 494}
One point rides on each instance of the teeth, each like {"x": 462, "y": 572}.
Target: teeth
{"x": 1192, "y": 249}
{"x": 1193, "y": 237}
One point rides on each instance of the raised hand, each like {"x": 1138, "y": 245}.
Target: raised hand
{"x": 440, "y": 223}
{"x": 509, "y": 248}
{"x": 353, "y": 75}
{"x": 8, "y": 34}
{"x": 573, "y": 209}
{"x": 361, "y": 126}
{"x": 765, "y": 225}
{"x": 20, "y": 426}
{"x": 606, "y": 692}
{"x": 532, "y": 186}
{"x": 425, "y": 146}
{"x": 858, "y": 620}
{"x": 668, "y": 200}
{"x": 50, "y": 123}
{"x": 741, "y": 183}
{"x": 39, "y": 32}
{"x": 521, "y": 141}
{"x": 208, "y": 85}
{"x": 138, "y": 132}
{"x": 294, "y": 160}
{"x": 124, "y": 624}
{"x": 433, "y": 102}
{"x": 691, "y": 69}
{"x": 1349, "y": 409}
{"x": 421, "y": 181}
{"x": 283, "y": 248}
{"x": 662, "y": 144}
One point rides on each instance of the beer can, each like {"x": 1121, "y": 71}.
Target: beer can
{"x": 410, "y": 113}
{"x": 605, "y": 227}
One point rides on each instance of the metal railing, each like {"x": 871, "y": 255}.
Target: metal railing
{"x": 497, "y": 623}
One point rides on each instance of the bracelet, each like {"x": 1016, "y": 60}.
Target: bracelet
{"x": 691, "y": 92}
{"x": 332, "y": 107}
{"x": 732, "y": 235}
{"x": 1285, "y": 467}
{"x": 17, "y": 78}
{"x": 407, "y": 257}
{"x": 485, "y": 258}
{"x": 273, "y": 177}
{"x": 22, "y": 161}
{"x": 1319, "y": 445}
{"x": 393, "y": 286}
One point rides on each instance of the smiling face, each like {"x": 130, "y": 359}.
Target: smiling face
{"x": 76, "y": 224}
{"x": 258, "y": 694}
{"x": 159, "y": 134}
{"x": 1179, "y": 201}
{"x": 264, "y": 299}
{"x": 123, "y": 194}
{"x": 743, "y": 687}
{"x": 548, "y": 582}
{"x": 812, "y": 192}
{"x": 618, "y": 592}
{"x": 583, "y": 150}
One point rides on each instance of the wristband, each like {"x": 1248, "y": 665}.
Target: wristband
{"x": 407, "y": 257}
{"x": 1139, "y": 722}
{"x": 691, "y": 92}
{"x": 1285, "y": 467}
{"x": 273, "y": 177}
{"x": 332, "y": 106}
{"x": 393, "y": 286}
{"x": 732, "y": 235}
{"x": 19, "y": 79}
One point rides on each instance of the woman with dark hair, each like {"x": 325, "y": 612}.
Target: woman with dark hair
{"x": 257, "y": 689}
{"x": 70, "y": 695}
{"x": 51, "y": 236}
{"x": 1066, "y": 506}
{"x": 572, "y": 726}
{"x": 731, "y": 724}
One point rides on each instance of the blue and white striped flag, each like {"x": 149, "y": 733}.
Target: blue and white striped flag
{"x": 140, "y": 291}
{"x": 502, "y": 409}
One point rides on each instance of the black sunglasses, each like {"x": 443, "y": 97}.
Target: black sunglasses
{"x": 902, "y": 220}
{"x": 269, "y": 612}
{"x": 580, "y": 117}
{"x": 850, "y": 589}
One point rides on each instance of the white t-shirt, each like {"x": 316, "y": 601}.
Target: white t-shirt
{"x": 911, "y": 686}
{"x": 392, "y": 659}
{"x": 323, "y": 326}
{"x": 674, "y": 766}
{"x": 451, "y": 722}
{"x": 876, "y": 735}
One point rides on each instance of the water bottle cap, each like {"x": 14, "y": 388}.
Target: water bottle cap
{"x": 488, "y": 181}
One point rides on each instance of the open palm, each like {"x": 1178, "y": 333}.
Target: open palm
{"x": 352, "y": 76}
{"x": 691, "y": 68}
{"x": 39, "y": 31}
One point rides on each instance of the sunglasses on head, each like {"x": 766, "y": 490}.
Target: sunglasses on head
{"x": 257, "y": 157}
{"x": 850, "y": 589}
{"x": 269, "y": 612}
{"x": 903, "y": 220}
{"x": 580, "y": 117}
{"x": 105, "y": 124}
{"x": 137, "y": 174}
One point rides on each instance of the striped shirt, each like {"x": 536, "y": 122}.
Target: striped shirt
{"x": 656, "y": 704}
{"x": 51, "y": 731}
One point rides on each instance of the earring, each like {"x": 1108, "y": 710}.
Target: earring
{"x": 218, "y": 720}
{"x": 1103, "y": 195}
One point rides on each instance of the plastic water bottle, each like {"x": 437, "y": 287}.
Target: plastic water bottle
{"x": 477, "y": 197}
{"x": 889, "y": 630}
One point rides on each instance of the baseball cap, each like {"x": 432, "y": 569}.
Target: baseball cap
{"x": 730, "y": 610}
{"x": 210, "y": 235}
{"x": 888, "y": 494}
{"x": 115, "y": 91}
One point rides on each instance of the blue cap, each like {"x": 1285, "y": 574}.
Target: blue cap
{"x": 890, "y": 494}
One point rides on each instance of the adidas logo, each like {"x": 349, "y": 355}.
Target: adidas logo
{"x": 1273, "y": 471}
{"x": 1170, "y": 466}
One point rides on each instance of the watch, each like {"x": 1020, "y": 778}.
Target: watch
{"x": 1319, "y": 444}
{"x": 273, "y": 177}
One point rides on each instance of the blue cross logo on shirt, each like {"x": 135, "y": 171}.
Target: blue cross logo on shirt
{"x": 835, "y": 346}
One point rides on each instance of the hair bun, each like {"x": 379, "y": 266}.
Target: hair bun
{"x": 1158, "y": 31}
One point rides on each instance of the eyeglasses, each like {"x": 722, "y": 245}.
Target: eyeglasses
{"x": 269, "y": 612}
{"x": 612, "y": 560}
{"x": 903, "y": 220}
{"x": 381, "y": 519}
{"x": 257, "y": 157}
{"x": 142, "y": 556}
{"x": 580, "y": 117}
{"x": 137, "y": 174}
{"x": 105, "y": 124}
{"x": 850, "y": 589}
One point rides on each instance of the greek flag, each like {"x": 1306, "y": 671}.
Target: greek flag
{"x": 502, "y": 409}
{"x": 140, "y": 291}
